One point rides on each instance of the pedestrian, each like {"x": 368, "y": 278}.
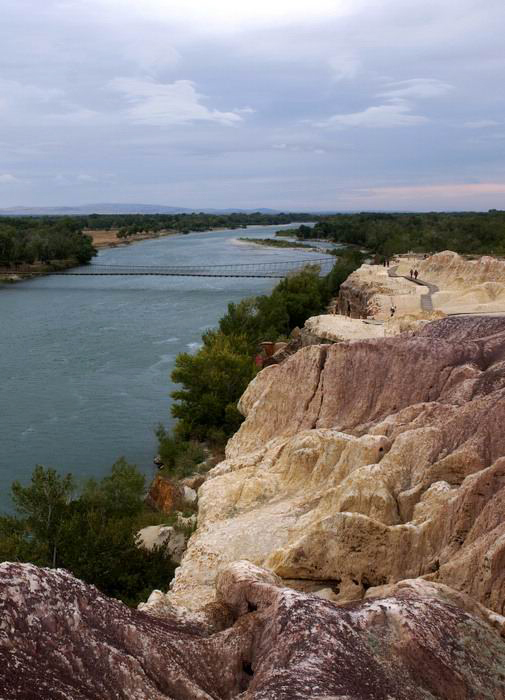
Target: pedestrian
{"x": 416, "y": 273}
{"x": 411, "y": 273}
{"x": 393, "y": 309}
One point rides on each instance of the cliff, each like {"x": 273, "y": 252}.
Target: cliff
{"x": 351, "y": 545}
{"x": 364, "y": 463}
{"x": 448, "y": 283}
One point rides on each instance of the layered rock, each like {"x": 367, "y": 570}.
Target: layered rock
{"x": 60, "y": 638}
{"x": 370, "y": 291}
{"x": 362, "y": 464}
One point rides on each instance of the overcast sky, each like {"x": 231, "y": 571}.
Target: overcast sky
{"x": 291, "y": 104}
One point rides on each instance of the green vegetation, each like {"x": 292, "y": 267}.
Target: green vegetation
{"x": 130, "y": 224}
{"x": 273, "y": 243}
{"x": 180, "y": 457}
{"x": 215, "y": 377}
{"x": 26, "y": 241}
{"x": 389, "y": 234}
{"x": 90, "y": 533}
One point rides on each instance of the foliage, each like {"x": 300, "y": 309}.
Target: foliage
{"x": 42, "y": 505}
{"x": 215, "y": 377}
{"x": 46, "y": 239}
{"x": 388, "y": 234}
{"x": 212, "y": 380}
{"x": 92, "y": 535}
{"x": 180, "y": 457}
{"x": 25, "y": 240}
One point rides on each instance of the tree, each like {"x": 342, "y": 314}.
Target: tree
{"x": 43, "y": 505}
{"x": 92, "y": 535}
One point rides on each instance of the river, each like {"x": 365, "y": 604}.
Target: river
{"x": 85, "y": 362}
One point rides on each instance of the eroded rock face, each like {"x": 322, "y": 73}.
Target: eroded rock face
{"x": 369, "y": 290}
{"x": 60, "y": 638}
{"x": 362, "y": 464}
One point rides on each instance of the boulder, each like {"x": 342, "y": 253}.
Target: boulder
{"x": 158, "y": 535}
{"x": 165, "y": 494}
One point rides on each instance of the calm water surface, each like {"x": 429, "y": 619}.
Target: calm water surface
{"x": 85, "y": 362}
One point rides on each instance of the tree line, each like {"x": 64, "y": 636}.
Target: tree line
{"x": 24, "y": 241}
{"x": 389, "y": 234}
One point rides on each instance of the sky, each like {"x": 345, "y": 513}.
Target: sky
{"x": 289, "y": 104}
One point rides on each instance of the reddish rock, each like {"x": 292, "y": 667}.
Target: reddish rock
{"x": 165, "y": 495}
{"x": 60, "y": 639}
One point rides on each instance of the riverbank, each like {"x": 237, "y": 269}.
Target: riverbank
{"x": 104, "y": 238}
{"x": 273, "y": 243}
{"x": 23, "y": 272}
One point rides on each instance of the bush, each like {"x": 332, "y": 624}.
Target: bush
{"x": 215, "y": 377}
{"x": 92, "y": 535}
{"x": 180, "y": 457}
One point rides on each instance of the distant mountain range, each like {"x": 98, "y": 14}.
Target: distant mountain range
{"x": 107, "y": 208}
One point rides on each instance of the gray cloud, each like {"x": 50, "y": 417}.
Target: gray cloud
{"x": 289, "y": 104}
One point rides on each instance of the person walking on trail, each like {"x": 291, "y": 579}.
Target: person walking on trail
{"x": 411, "y": 273}
{"x": 416, "y": 273}
{"x": 393, "y": 309}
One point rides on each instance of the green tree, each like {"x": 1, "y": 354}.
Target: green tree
{"x": 92, "y": 535}
{"x": 43, "y": 504}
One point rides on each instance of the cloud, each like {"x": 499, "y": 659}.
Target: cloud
{"x": 416, "y": 88}
{"x": 221, "y": 16}
{"x": 398, "y": 108}
{"x": 445, "y": 191}
{"x": 375, "y": 77}
{"x": 344, "y": 67}
{"x": 8, "y": 179}
{"x": 481, "y": 124}
{"x": 396, "y": 113}
{"x": 164, "y": 104}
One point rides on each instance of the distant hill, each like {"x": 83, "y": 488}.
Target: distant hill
{"x": 107, "y": 208}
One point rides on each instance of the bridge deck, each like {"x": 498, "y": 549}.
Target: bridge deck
{"x": 275, "y": 270}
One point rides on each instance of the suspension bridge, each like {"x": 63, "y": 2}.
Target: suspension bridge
{"x": 273, "y": 270}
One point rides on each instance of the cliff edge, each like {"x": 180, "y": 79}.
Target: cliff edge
{"x": 364, "y": 463}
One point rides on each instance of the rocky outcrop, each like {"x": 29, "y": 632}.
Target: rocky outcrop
{"x": 168, "y": 495}
{"x": 362, "y": 464}
{"x": 369, "y": 291}
{"x": 60, "y": 638}
{"x": 337, "y": 328}
{"x": 451, "y": 270}
{"x": 174, "y": 540}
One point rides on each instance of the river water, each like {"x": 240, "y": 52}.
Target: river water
{"x": 85, "y": 362}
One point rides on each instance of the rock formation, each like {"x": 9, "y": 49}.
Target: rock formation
{"x": 163, "y": 535}
{"x": 362, "y": 464}
{"x": 369, "y": 290}
{"x": 60, "y": 638}
{"x": 366, "y": 492}
{"x": 458, "y": 286}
